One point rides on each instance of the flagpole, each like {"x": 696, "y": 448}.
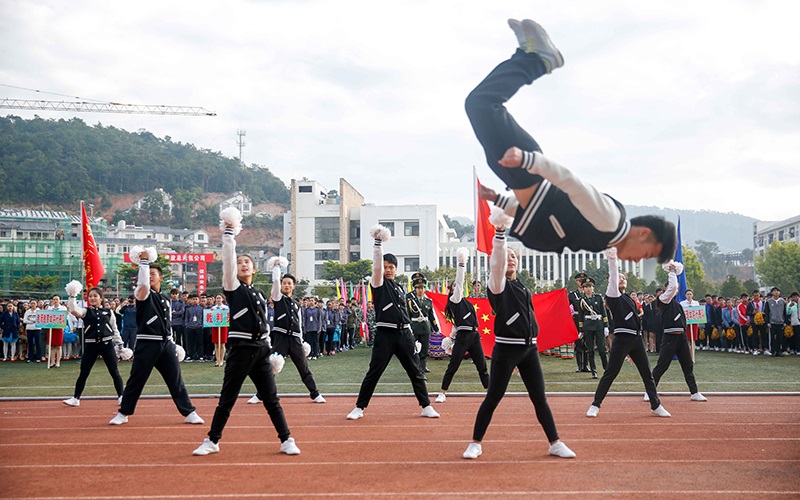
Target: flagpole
{"x": 476, "y": 267}
{"x": 83, "y": 266}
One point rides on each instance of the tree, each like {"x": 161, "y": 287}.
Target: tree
{"x": 712, "y": 260}
{"x": 780, "y": 266}
{"x": 732, "y": 287}
{"x": 750, "y": 285}
{"x": 352, "y": 272}
{"x": 39, "y": 286}
{"x": 128, "y": 273}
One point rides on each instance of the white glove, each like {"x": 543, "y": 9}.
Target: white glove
{"x": 461, "y": 255}
{"x": 74, "y": 288}
{"x": 381, "y": 233}
{"x": 124, "y": 353}
{"x": 232, "y": 217}
{"x": 447, "y": 345}
{"x": 611, "y": 253}
{"x": 580, "y": 335}
{"x": 417, "y": 347}
{"x": 605, "y": 332}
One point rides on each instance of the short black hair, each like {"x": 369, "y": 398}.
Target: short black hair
{"x": 157, "y": 268}
{"x": 194, "y": 296}
{"x": 663, "y": 232}
{"x": 174, "y": 290}
{"x": 744, "y": 296}
{"x": 774, "y": 288}
{"x": 390, "y": 258}
{"x": 287, "y": 275}
{"x": 689, "y": 290}
{"x": 794, "y": 294}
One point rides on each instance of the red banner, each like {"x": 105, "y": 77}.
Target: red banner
{"x": 91, "y": 255}
{"x": 552, "y": 314}
{"x": 484, "y": 230}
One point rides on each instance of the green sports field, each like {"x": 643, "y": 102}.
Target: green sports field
{"x": 342, "y": 374}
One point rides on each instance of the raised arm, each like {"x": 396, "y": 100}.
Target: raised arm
{"x": 498, "y": 262}
{"x": 275, "y": 294}
{"x": 672, "y": 284}
{"x": 380, "y": 234}
{"x": 231, "y": 224}
{"x": 142, "y": 290}
{"x": 613, "y": 274}
{"x": 74, "y": 309}
{"x": 461, "y": 271}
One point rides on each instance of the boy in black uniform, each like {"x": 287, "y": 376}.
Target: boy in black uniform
{"x": 627, "y": 340}
{"x": 393, "y": 336}
{"x": 575, "y": 300}
{"x": 593, "y": 324}
{"x": 287, "y": 335}
{"x": 553, "y": 209}
{"x": 154, "y": 345}
{"x": 673, "y": 341}
{"x": 423, "y": 319}
{"x": 248, "y": 338}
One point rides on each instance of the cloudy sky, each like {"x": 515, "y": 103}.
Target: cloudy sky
{"x": 681, "y": 104}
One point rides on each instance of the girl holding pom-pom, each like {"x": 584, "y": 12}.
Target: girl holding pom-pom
{"x": 101, "y": 338}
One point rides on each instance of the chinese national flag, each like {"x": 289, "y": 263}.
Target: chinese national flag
{"x": 91, "y": 254}
{"x": 552, "y": 314}
{"x": 484, "y": 230}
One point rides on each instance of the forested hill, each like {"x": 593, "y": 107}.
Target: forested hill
{"x": 59, "y": 162}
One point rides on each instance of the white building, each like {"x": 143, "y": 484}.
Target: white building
{"x": 166, "y": 200}
{"x": 191, "y": 239}
{"x": 764, "y": 233}
{"x": 240, "y": 201}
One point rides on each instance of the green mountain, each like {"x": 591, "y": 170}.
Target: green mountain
{"x": 58, "y": 162}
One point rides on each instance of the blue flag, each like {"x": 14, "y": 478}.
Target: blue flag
{"x": 679, "y": 258}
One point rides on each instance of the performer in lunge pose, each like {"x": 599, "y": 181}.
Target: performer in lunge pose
{"x": 553, "y": 209}
{"x": 515, "y": 330}
{"x": 393, "y": 337}
{"x": 627, "y": 340}
{"x": 287, "y": 334}
{"x": 155, "y": 347}
{"x": 674, "y": 341}
{"x": 100, "y": 336}
{"x": 248, "y": 336}
{"x": 465, "y": 336}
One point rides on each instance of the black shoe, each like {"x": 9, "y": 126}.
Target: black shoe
{"x": 594, "y": 374}
{"x": 585, "y": 370}
{"x": 578, "y": 370}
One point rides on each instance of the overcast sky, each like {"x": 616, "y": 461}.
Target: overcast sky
{"x": 682, "y": 104}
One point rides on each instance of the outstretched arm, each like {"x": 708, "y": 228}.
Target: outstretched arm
{"x": 230, "y": 282}
{"x": 458, "y": 286}
{"x": 613, "y": 274}
{"x": 672, "y": 286}
{"x": 142, "y": 290}
{"x": 74, "y": 309}
{"x": 498, "y": 262}
{"x": 276, "y": 294}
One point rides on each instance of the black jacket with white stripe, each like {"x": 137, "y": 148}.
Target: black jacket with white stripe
{"x": 153, "y": 317}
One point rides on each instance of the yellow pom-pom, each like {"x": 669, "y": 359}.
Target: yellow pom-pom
{"x": 749, "y": 331}
{"x": 702, "y": 335}
{"x": 788, "y": 332}
{"x": 759, "y": 318}
{"x": 714, "y": 334}
{"x": 730, "y": 334}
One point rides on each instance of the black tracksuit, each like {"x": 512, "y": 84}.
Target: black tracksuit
{"x": 674, "y": 341}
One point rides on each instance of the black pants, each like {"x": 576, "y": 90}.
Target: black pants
{"x": 466, "y": 342}
{"x": 760, "y": 336}
{"x": 776, "y": 339}
{"x": 672, "y": 345}
{"x": 505, "y": 358}
{"x": 208, "y": 346}
{"x": 595, "y": 340}
{"x": 90, "y": 353}
{"x": 194, "y": 343}
{"x": 160, "y": 355}
{"x": 390, "y": 343}
{"x": 177, "y": 333}
{"x": 34, "y": 345}
{"x": 580, "y": 354}
{"x": 129, "y": 338}
{"x": 313, "y": 340}
{"x": 253, "y": 362}
{"x": 494, "y": 126}
{"x": 625, "y": 344}
{"x": 322, "y": 335}
{"x": 289, "y": 345}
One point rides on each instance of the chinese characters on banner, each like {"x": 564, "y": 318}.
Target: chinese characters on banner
{"x": 216, "y": 317}
{"x": 695, "y": 315}
{"x": 51, "y": 319}
{"x": 201, "y": 259}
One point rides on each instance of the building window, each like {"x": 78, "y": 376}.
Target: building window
{"x": 388, "y": 225}
{"x": 410, "y": 264}
{"x": 304, "y": 189}
{"x": 318, "y": 271}
{"x": 411, "y": 228}
{"x": 355, "y": 232}
{"x": 354, "y": 257}
{"x": 791, "y": 232}
{"x": 110, "y": 249}
{"x": 780, "y": 235}
{"x": 201, "y": 237}
{"x": 326, "y": 230}
{"x": 326, "y": 255}
{"x": 771, "y": 238}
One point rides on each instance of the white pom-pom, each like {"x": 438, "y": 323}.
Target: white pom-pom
{"x": 134, "y": 254}
{"x": 232, "y": 217}
{"x": 272, "y": 262}
{"x": 379, "y": 232}
{"x": 678, "y": 266}
{"x": 180, "y": 353}
{"x": 152, "y": 255}
{"x": 74, "y": 288}
{"x": 462, "y": 254}
{"x": 277, "y": 361}
{"x": 125, "y": 354}
{"x": 500, "y": 218}
{"x": 447, "y": 345}
{"x": 284, "y": 262}
{"x": 417, "y": 347}
{"x": 611, "y": 253}
{"x": 306, "y": 349}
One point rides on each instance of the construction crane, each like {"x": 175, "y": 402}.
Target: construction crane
{"x": 104, "y": 107}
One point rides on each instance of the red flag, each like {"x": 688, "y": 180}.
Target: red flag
{"x": 552, "y": 314}
{"x": 91, "y": 254}
{"x": 484, "y": 230}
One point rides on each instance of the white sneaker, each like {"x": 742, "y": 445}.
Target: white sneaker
{"x": 206, "y": 448}
{"x": 755, "y": 353}
{"x": 193, "y": 418}
{"x": 698, "y": 397}
{"x": 254, "y": 400}
{"x": 319, "y": 399}
{"x": 119, "y": 400}
{"x": 473, "y": 451}
{"x": 441, "y": 398}
{"x": 646, "y": 397}
{"x": 660, "y": 412}
{"x": 767, "y": 353}
{"x": 119, "y": 419}
{"x": 538, "y": 41}
{"x": 559, "y": 449}
{"x": 593, "y": 411}
{"x": 73, "y": 401}
{"x": 289, "y": 447}
{"x": 429, "y": 412}
{"x": 355, "y": 414}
